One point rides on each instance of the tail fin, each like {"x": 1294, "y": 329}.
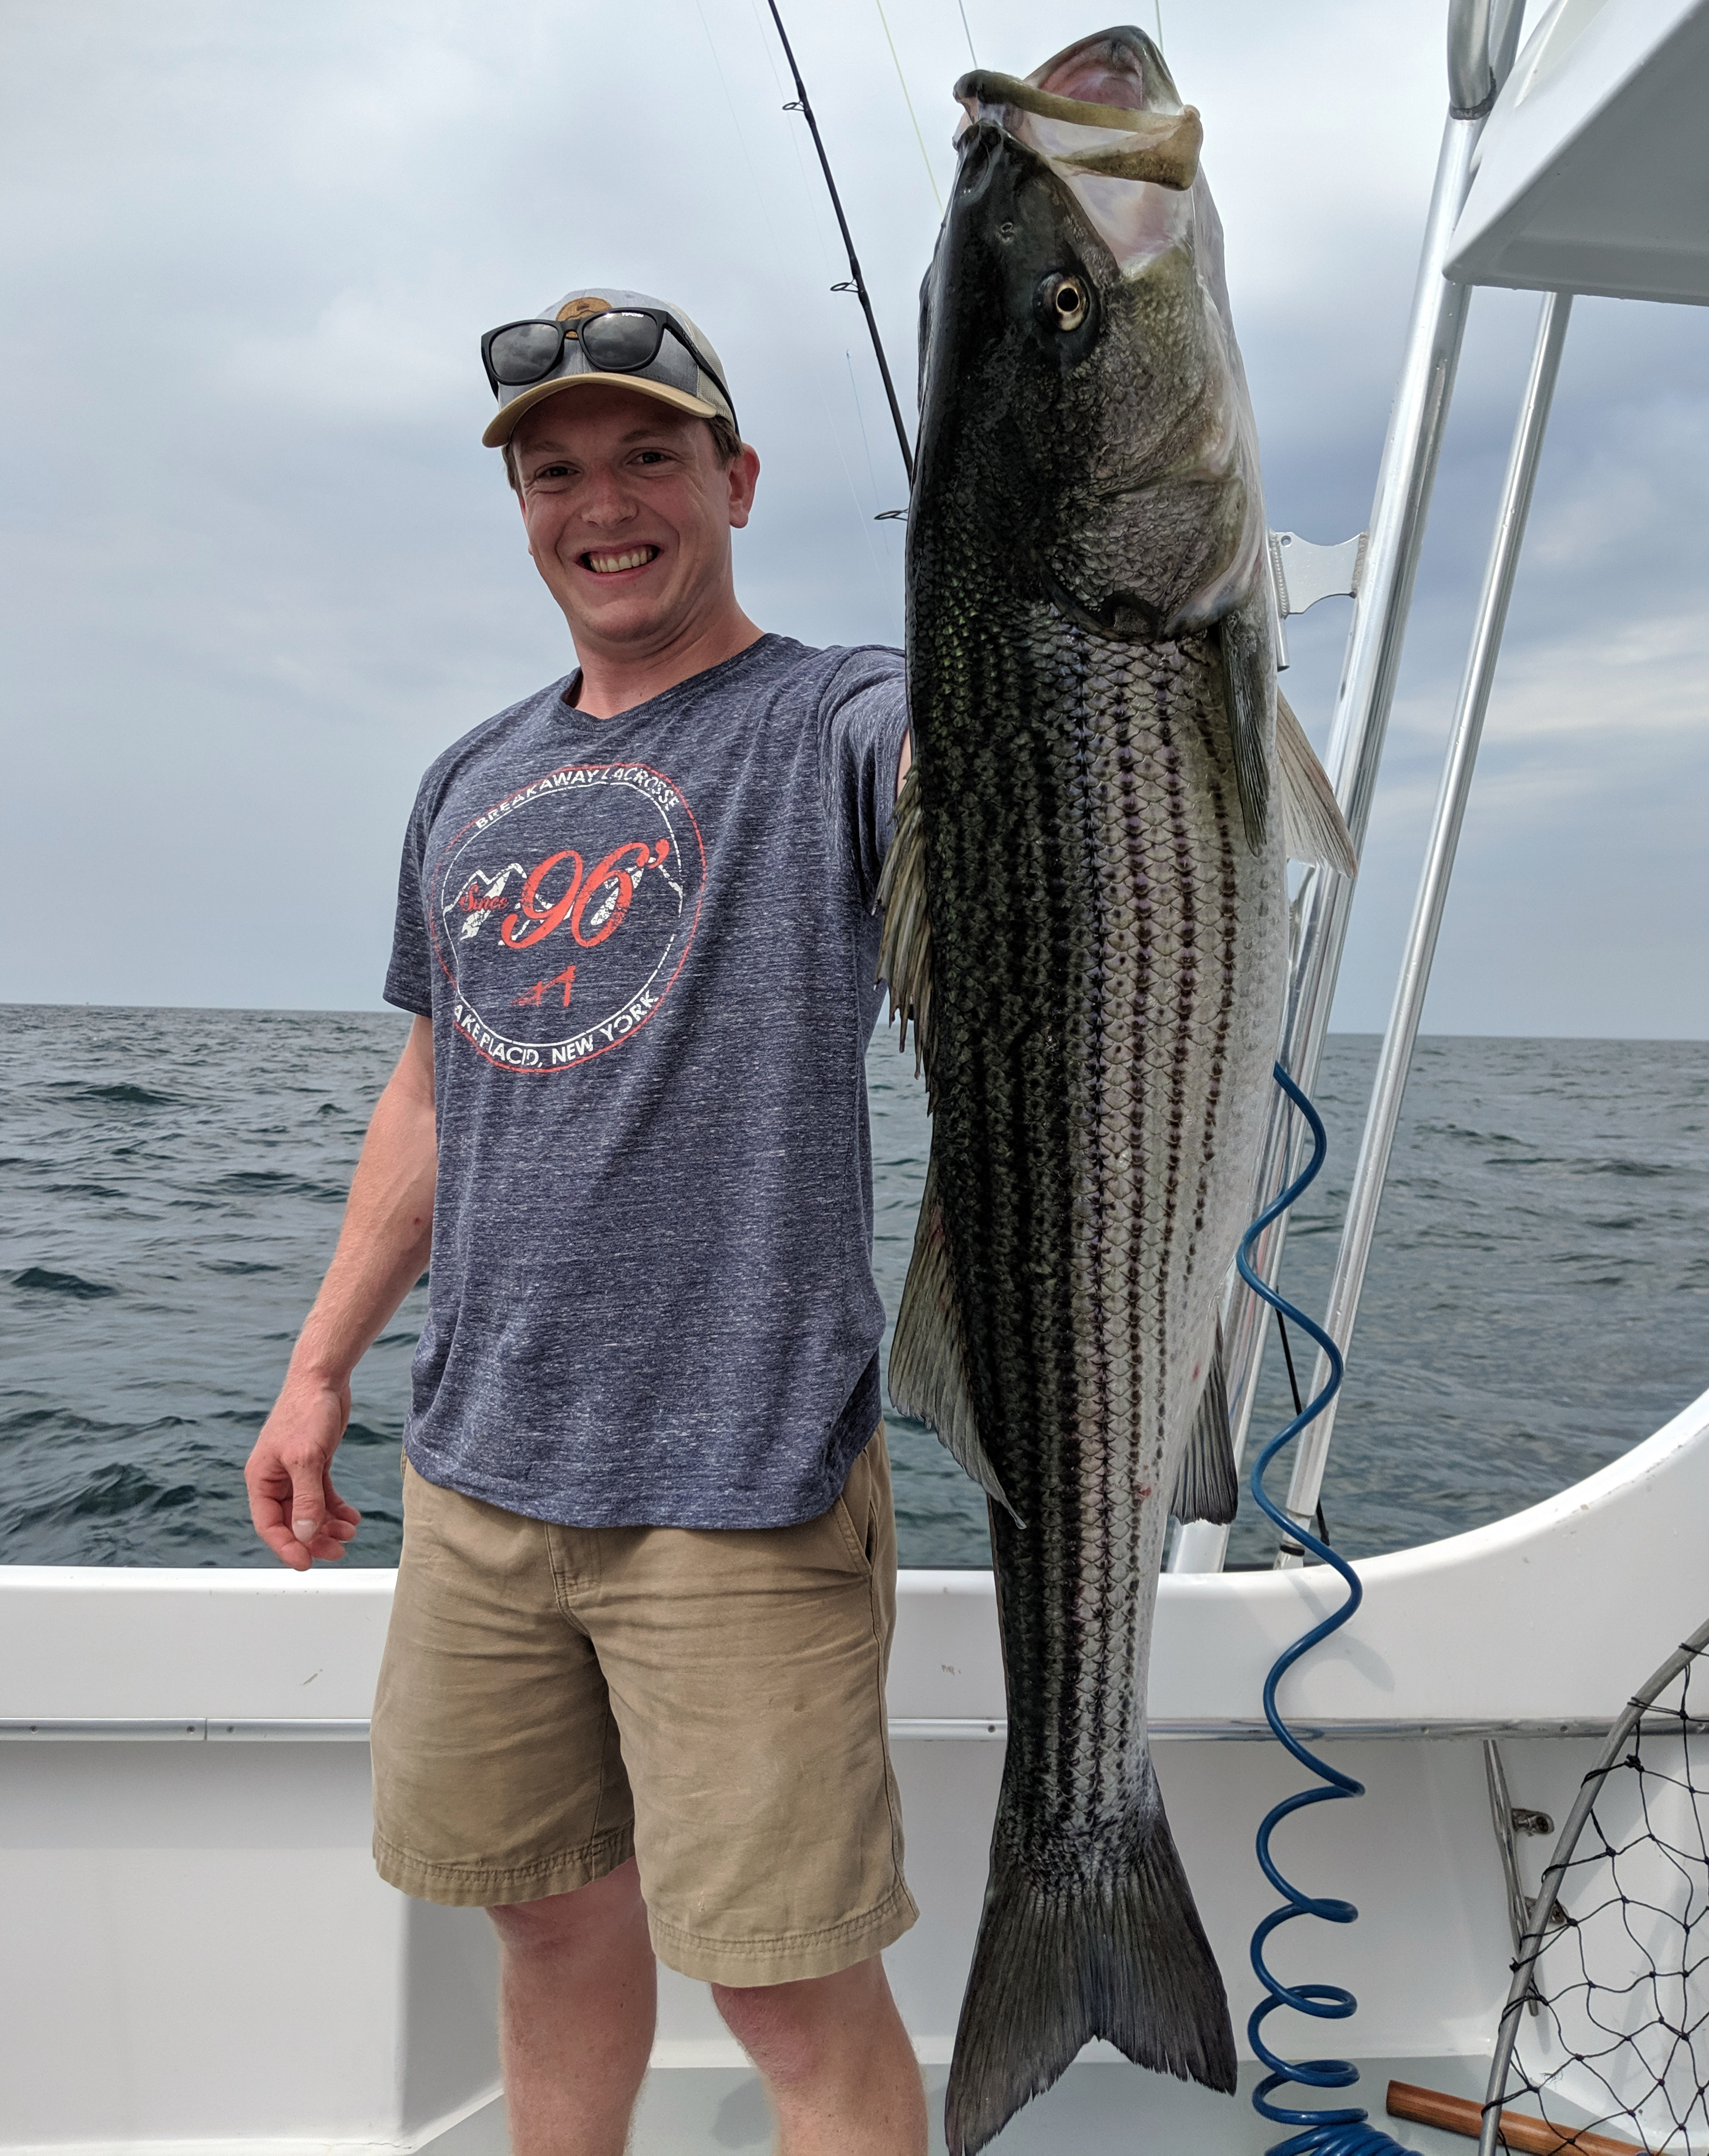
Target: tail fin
{"x": 1115, "y": 1950}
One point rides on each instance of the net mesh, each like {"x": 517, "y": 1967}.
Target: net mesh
{"x": 1616, "y": 2042}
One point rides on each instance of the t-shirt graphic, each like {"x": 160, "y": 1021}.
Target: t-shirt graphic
{"x": 565, "y": 912}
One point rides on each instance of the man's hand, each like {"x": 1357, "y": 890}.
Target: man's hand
{"x": 297, "y": 1512}
{"x": 382, "y": 1248}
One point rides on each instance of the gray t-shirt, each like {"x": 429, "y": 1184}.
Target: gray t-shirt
{"x": 648, "y": 945}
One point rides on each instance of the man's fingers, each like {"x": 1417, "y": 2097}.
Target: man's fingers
{"x": 337, "y": 1508}
{"x": 308, "y": 1498}
{"x": 284, "y": 1545}
{"x": 295, "y": 1510}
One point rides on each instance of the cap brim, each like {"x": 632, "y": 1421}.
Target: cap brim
{"x": 503, "y": 423}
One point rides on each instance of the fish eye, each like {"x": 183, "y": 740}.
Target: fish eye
{"x": 1065, "y": 301}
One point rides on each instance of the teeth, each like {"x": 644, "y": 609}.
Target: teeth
{"x": 607, "y": 565}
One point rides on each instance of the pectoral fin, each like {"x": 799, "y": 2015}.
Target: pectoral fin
{"x": 905, "y": 951}
{"x": 1313, "y": 827}
{"x": 1208, "y": 1485}
{"x": 928, "y": 1372}
{"x": 1249, "y": 692}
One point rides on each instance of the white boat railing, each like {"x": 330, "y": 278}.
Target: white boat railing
{"x": 1395, "y": 1061}
{"x": 1483, "y": 35}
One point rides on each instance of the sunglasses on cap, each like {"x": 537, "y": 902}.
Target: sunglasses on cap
{"x": 620, "y": 340}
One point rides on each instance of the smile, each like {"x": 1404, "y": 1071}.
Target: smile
{"x": 609, "y": 565}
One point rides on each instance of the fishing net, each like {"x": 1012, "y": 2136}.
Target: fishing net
{"x": 1606, "y": 2029}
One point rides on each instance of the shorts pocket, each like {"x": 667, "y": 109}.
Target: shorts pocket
{"x": 853, "y": 1510}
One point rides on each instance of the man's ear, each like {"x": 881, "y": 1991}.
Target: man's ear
{"x": 744, "y": 478}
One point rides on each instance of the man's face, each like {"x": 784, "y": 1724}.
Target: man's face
{"x": 629, "y": 514}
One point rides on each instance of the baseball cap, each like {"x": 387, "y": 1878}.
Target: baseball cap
{"x": 674, "y": 375}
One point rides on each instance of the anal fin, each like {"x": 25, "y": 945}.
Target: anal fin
{"x": 1208, "y": 1484}
{"x": 928, "y": 1371}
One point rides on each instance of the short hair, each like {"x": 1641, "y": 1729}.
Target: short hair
{"x": 726, "y": 442}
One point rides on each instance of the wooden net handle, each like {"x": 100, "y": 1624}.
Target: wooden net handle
{"x": 1533, "y": 2137}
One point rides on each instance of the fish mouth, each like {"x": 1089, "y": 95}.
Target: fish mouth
{"x": 1109, "y": 109}
{"x": 1106, "y": 117}
{"x": 617, "y": 561}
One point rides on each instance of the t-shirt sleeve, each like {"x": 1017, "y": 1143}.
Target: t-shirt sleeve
{"x": 409, "y": 976}
{"x": 865, "y": 716}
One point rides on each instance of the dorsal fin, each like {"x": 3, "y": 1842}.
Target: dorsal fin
{"x": 1249, "y": 688}
{"x": 1208, "y": 1484}
{"x": 1313, "y": 827}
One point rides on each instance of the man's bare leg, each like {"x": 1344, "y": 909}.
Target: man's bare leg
{"x": 576, "y": 1998}
{"x": 836, "y": 2061}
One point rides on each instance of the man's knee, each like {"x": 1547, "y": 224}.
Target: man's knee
{"x": 792, "y": 2031}
{"x": 591, "y": 1917}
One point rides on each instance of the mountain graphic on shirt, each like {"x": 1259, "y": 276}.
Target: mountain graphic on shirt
{"x": 480, "y": 897}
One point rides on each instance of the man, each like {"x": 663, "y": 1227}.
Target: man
{"x": 632, "y": 1696}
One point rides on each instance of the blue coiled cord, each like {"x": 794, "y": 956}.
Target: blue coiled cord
{"x": 1340, "y": 2132}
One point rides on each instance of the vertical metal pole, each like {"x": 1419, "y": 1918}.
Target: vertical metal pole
{"x": 1483, "y": 36}
{"x": 1389, "y": 1087}
{"x": 1320, "y": 911}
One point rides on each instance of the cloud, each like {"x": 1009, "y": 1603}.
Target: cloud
{"x": 258, "y": 569}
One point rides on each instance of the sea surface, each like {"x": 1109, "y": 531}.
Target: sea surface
{"x": 171, "y": 1185}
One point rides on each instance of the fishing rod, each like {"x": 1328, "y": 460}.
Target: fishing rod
{"x": 858, "y": 287}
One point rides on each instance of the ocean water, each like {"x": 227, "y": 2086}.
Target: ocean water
{"x": 171, "y": 1185}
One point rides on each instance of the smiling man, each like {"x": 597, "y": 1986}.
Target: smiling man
{"x": 632, "y": 1696}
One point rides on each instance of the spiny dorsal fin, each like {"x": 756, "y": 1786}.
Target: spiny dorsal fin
{"x": 928, "y": 1356}
{"x": 1207, "y": 1484}
{"x": 905, "y": 951}
{"x": 1249, "y": 684}
{"x": 1313, "y": 827}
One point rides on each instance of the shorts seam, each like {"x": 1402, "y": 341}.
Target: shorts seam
{"x": 890, "y": 1792}
{"x": 897, "y": 1900}
{"x": 456, "y": 1874}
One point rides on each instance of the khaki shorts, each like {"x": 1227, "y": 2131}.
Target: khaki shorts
{"x": 554, "y": 1700}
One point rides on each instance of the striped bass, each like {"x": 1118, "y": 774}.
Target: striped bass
{"x": 1085, "y": 921}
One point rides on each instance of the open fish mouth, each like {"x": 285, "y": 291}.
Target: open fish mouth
{"x": 1107, "y": 107}
{"x": 1105, "y": 116}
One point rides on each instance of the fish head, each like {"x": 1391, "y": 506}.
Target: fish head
{"x": 1082, "y": 395}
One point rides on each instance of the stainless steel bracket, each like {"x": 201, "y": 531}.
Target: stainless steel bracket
{"x": 1302, "y": 574}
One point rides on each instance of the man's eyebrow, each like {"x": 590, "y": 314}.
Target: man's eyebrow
{"x": 647, "y": 431}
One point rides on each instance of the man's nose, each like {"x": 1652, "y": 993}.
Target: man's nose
{"x": 606, "y": 500}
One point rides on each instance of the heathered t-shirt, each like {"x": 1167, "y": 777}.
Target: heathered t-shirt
{"x": 648, "y": 945}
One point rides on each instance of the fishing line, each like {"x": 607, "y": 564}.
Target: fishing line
{"x": 826, "y": 239}
{"x": 908, "y": 102}
{"x": 861, "y": 417}
{"x": 1345, "y": 2132}
{"x": 968, "y": 34}
{"x": 783, "y": 271}
{"x": 858, "y": 287}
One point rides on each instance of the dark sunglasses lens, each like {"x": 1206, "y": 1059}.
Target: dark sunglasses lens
{"x": 527, "y": 351}
{"x": 620, "y": 340}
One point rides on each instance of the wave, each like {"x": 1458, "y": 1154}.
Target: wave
{"x": 41, "y": 1279}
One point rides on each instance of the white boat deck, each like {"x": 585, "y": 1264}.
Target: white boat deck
{"x": 184, "y": 1827}
{"x": 1094, "y": 2108}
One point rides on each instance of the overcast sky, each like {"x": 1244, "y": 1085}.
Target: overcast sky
{"x": 259, "y": 570}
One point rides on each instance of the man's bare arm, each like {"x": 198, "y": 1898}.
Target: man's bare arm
{"x": 382, "y": 1248}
